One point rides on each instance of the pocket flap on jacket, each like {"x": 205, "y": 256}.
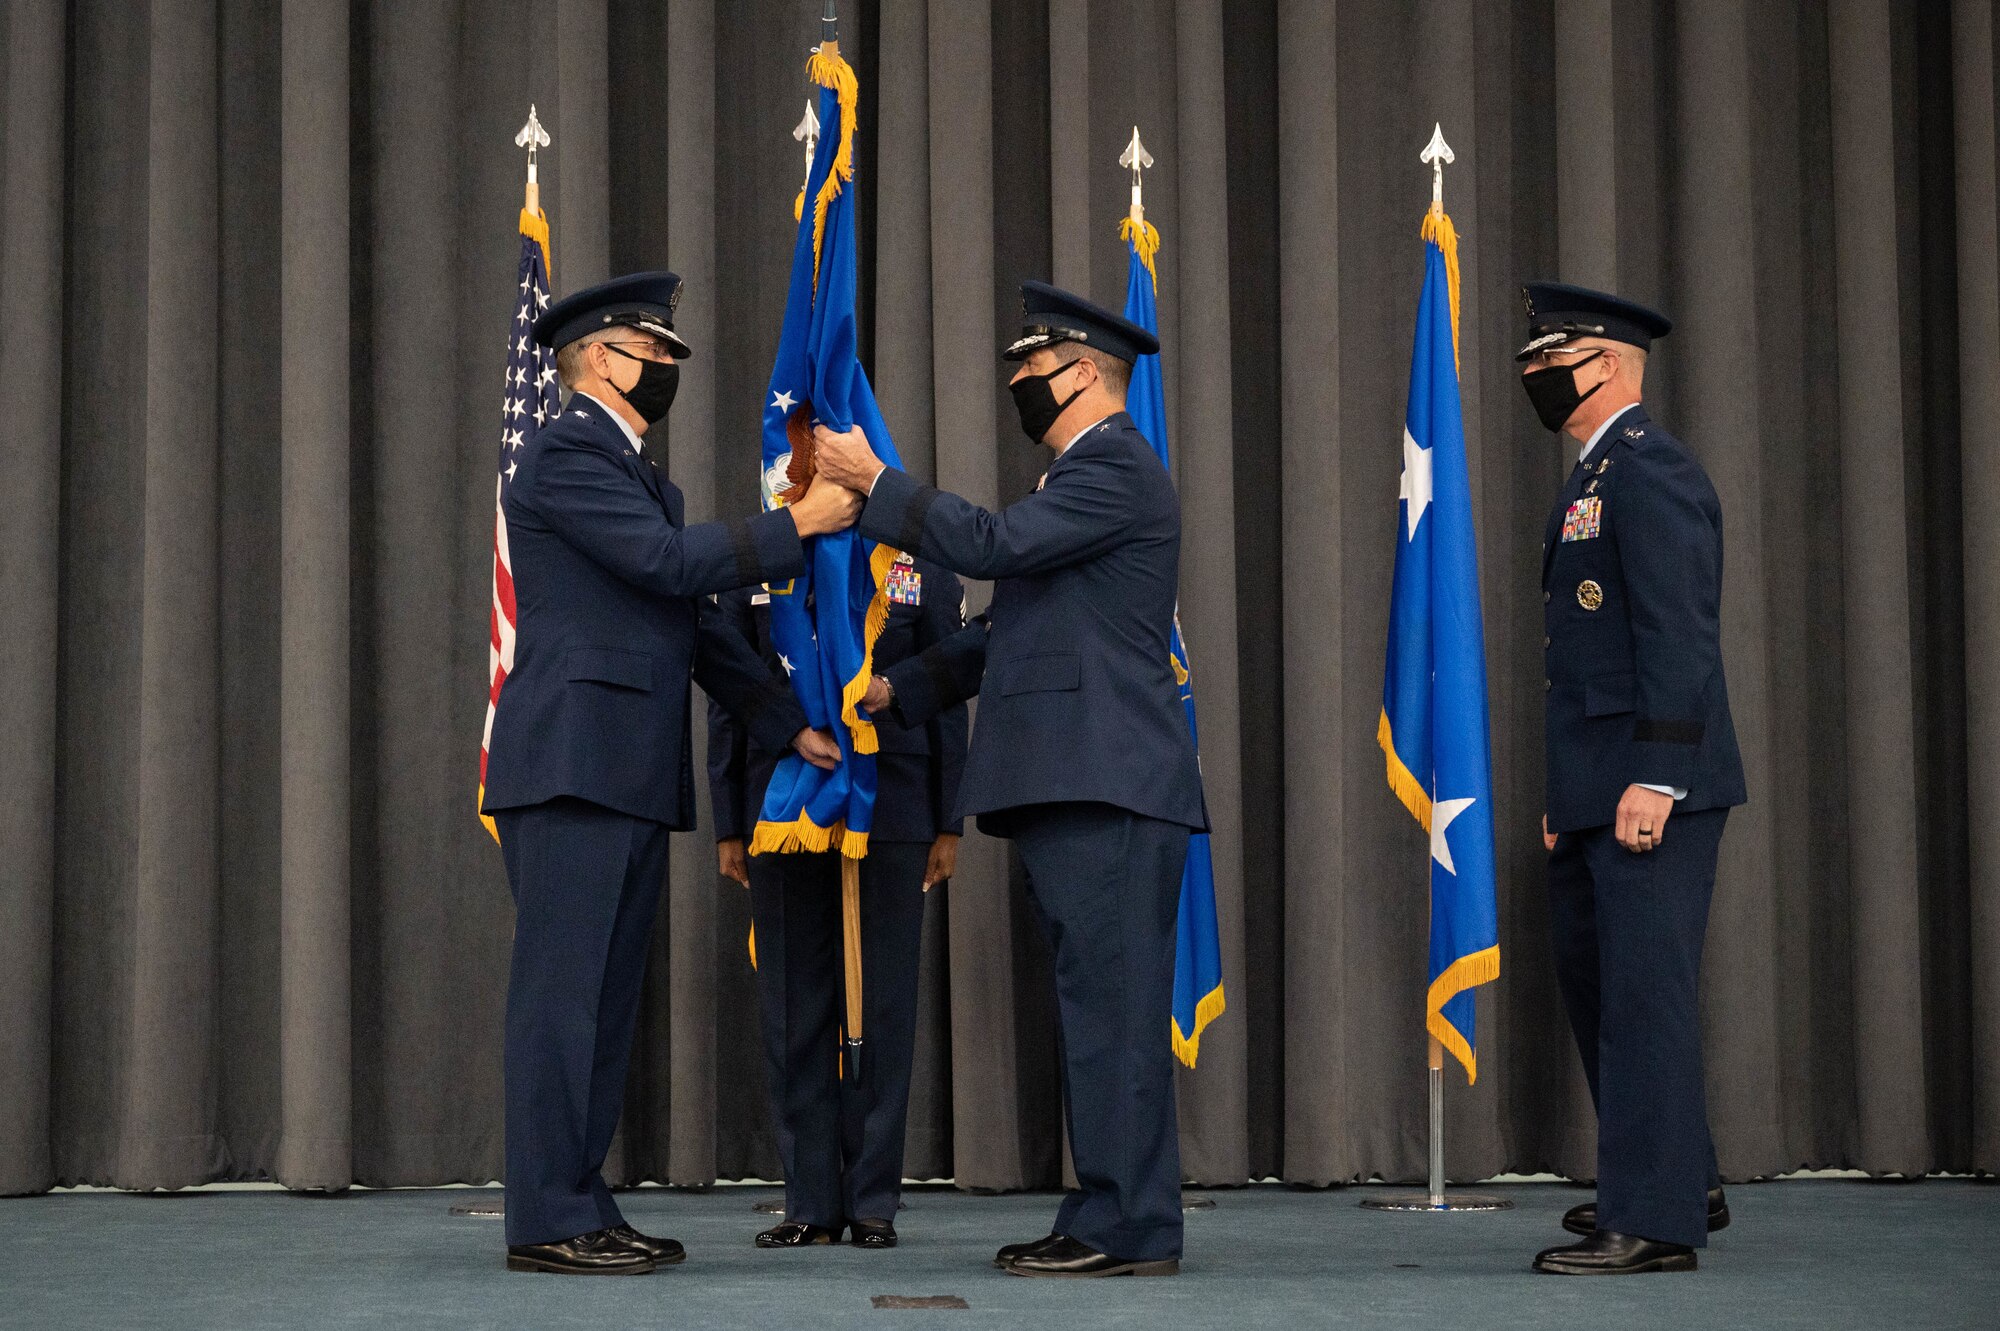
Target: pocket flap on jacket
{"x": 1608, "y": 695}
{"x": 607, "y": 665}
{"x": 1048, "y": 672}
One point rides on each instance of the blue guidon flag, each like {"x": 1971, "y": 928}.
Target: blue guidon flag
{"x": 1197, "y": 940}
{"x": 1434, "y": 722}
{"x": 824, "y": 624}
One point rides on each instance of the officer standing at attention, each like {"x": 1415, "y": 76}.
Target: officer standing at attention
{"x": 1642, "y": 773}
{"x": 841, "y": 1142}
{"x": 590, "y": 762}
{"x": 1082, "y": 753}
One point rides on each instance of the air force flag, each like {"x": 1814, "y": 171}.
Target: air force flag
{"x": 825, "y": 623}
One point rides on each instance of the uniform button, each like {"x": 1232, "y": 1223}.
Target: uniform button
{"x": 1548, "y": 684}
{"x": 1545, "y": 598}
{"x": 1545, "y": 642}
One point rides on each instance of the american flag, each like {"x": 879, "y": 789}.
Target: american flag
{"x": 528, "y": 399}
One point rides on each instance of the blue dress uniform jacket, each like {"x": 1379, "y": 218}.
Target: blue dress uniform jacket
{"x": 1633, "y": 581}
{"x": 609, "y": 587}
{"x": 1632, "y": 602}
{"x": 1077, "y": 699}
{"x": 918, "y": 768}
{"x": 589, "y": 765}
{"x": 840, "y": 1143}
{"x": 1084, "y": 757}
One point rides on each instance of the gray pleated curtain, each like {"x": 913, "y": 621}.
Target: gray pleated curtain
{"x": 257, "y": 274}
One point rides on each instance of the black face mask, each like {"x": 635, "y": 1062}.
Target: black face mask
{"x": 654, "y": 393}
{"x": 1036, "y": 402}
{"x": 1553, "y": 391}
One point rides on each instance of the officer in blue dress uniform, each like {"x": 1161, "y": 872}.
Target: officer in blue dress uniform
{"x": 1082, "y": 753}
{"x": 1642, "y": 772}
{"x": 590, "y": 761}
{"x": 841, "y": 1142}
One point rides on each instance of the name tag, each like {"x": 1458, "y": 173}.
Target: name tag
{"x": 1584, "y": 520}
{"x": 760, "y": 598}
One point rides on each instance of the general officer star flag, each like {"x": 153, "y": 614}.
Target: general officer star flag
{"x": 824, "y": 624}
{"x": 1197, "y": 941}
{"x": 1434, "y": 724}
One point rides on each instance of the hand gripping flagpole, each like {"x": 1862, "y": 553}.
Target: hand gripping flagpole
{"x": 1437, "y": 154}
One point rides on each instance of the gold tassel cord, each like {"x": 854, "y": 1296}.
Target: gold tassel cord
{"x": 535, "y": 226}
{"x": 1439, "y": 231}
{"x": 1145, "y": 238}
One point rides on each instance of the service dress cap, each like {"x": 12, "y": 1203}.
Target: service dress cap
{"x": 1050, "y": 315}
{"x": 1559, "y": 313}
{"x": 644, "y": 301}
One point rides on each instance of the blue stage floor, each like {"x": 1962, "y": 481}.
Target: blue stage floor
{"x": 1801, "y": 1254}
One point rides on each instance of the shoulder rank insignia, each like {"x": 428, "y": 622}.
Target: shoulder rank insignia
{"x": 1634, "y": 432}
{"x": 1584, "y": 521}
{"x": 1589, "y": 595}
{"x": 905, "y": 585}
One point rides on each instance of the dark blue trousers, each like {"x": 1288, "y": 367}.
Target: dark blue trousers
{"x": 1628, "y": 931}
{"x": 1106, "y": 883}
{"x": 586, "y": 882}
{"x": 840, "y": 1142}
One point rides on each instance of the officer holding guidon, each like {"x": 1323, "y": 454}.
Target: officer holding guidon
{"x": 1082, "y": 753}
{"x": 590, "y": 762}
{"x": 841, "y": 1142}
{"x": 1642, "y": 772}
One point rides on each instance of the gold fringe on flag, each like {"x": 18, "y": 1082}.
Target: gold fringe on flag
{"x": 829, "y": 70}
{"x": 863, "y": 730}
{"x": 1466, "y": 973}
{"x": 1401, "y": 780}
{"x": 804, "y": 836}
{"x": 1188, "y": 1047}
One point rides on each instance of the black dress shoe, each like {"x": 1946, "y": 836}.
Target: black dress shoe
{"x": 664, "y": 1252}
{"x": 1005, "y": 1257}
{"x": 798, "y": 1234}
{"x": 1607, "y": 1254}
{"x": 1583, "y": 1219}
{"x": 873, "y": 1233}
{"x": 1068, "y": 1258}
{"x": 599, "y": 1253}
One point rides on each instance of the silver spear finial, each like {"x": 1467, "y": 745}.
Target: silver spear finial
{"x": 1437, "y": 153}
